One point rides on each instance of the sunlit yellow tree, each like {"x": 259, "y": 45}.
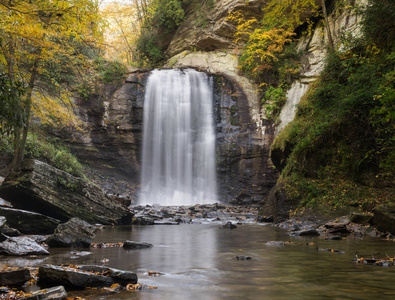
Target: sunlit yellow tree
{"x": 123, "y": 30}
{"x": 42, "y": 42}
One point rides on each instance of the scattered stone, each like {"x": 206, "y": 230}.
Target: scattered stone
{"x": 243, "y": 257}
{"x": 338, "y": 223}
{"x": 384, "y": 263}
{"x": 29, "y": 222}
{"x": 228, "y": 225}
{"x": 136, "y": 245}
{"x": 119, "y": 276}
{"x": 265, "y": 219}
{"x": 19, "y": 246}
{"x": 306, "y": 232}
{"x": 155, "y": 273}
{"x": 10, "y": 231}
{"x": 14, "y": 276}
{"x": 141, "y": 220}
{"x": 83, "y": 276}
{"x": 115, "y": 288}
{"x": 106, "y": 245}
{"x": 54, "y": 293}
{"x": 361, "y": 218}
{"x": 74, "y": 233}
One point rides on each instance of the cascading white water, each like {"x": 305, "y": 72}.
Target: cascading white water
{"x": 178, "y": 164}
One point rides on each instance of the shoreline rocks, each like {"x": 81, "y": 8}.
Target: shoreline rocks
{"x": 74, "y": 233}
{"x": 45, "y": 189}
{"x": 84, "y": 276}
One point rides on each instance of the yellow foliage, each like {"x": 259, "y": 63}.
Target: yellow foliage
{"x": 123, "y": 31}
{"x": 36, "y": 33}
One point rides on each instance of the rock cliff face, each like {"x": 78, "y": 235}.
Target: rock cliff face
{"x": 114, "y": 143}
{"x": 206, "y": 27}
{"x": 314, "y": 49}
{"x": 205, "y": 42}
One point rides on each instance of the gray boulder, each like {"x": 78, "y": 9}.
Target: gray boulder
{"x": 54, "y": 293}
{"x": 136, "y": 245}
{"x": 29, "y": 222}
{"x": 82, "y": 278}
{"x": 14, "y": 277}
{"x": 74, "y": 233}
{"x": 45, "y": 189}
{"x": 119, "y": 276}
{"x": 19, "y": 246}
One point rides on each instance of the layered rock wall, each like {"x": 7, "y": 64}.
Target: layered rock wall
{"x": 114, "y": 142}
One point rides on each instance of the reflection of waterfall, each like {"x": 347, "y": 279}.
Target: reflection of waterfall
{"x": 178, "y": 166}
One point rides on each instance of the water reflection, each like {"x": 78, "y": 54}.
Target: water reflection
{"x": 198, "y": 262}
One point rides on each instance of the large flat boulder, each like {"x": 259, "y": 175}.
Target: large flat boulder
{"x": 14, "y": 276}
{"x": 90, "y": 276}
{"x": 45, "y": 189}
{"x": 19, "y": 246}
{"x": 74, "y": 233}
{"x": 53, "y": 293}
{"x": 29, "y": 222}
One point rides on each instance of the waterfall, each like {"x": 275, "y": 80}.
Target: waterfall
{"x": 178, "y": 163}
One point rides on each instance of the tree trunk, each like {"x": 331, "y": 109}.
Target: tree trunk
{"x": 21, "y": 135}
{"x": 328, "y": 29}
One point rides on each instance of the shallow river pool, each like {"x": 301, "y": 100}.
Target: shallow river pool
{"x": 198, "y": 262}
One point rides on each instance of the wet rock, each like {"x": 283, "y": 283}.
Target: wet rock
{"x": 10, "y": 231}
{"x": 306, "y": 232}
{"x": 384, "y": 263}
{"x": 14, "y": 277}
{"x": 53, "y": 293}
{"x": 119, "y": 276}
{"x": 339, "y": 230}
{"x": 265, "y": 219}
{"x": 45, "y": 189}
{"x": 74, "y": 233}
{"x": 29, "y": 222}
{"x": 243, "y": 257}
{"x": 361, "y": 218}
{"x": 136, "y": 245}
{"x": 384, "y": 218}
{"x": 3, "y": 237}
{"x": 19, "y": 246}
{"x": 338, "y": 223}
{"x": 155, "y": 273}
{"x": 228, "y": 225}
{"x": 70, "y": 277}
{"x": 141, "y": 220}
{"x": 83, "y": 277}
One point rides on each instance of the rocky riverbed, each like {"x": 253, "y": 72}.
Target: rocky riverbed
{"x": 79, "y": 235}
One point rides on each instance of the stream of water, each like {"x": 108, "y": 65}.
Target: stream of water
{"x": 178, "y": 163}
{"x": 198, "y": 262}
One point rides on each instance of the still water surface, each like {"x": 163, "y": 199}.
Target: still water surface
{"x": 198, "y": 263}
